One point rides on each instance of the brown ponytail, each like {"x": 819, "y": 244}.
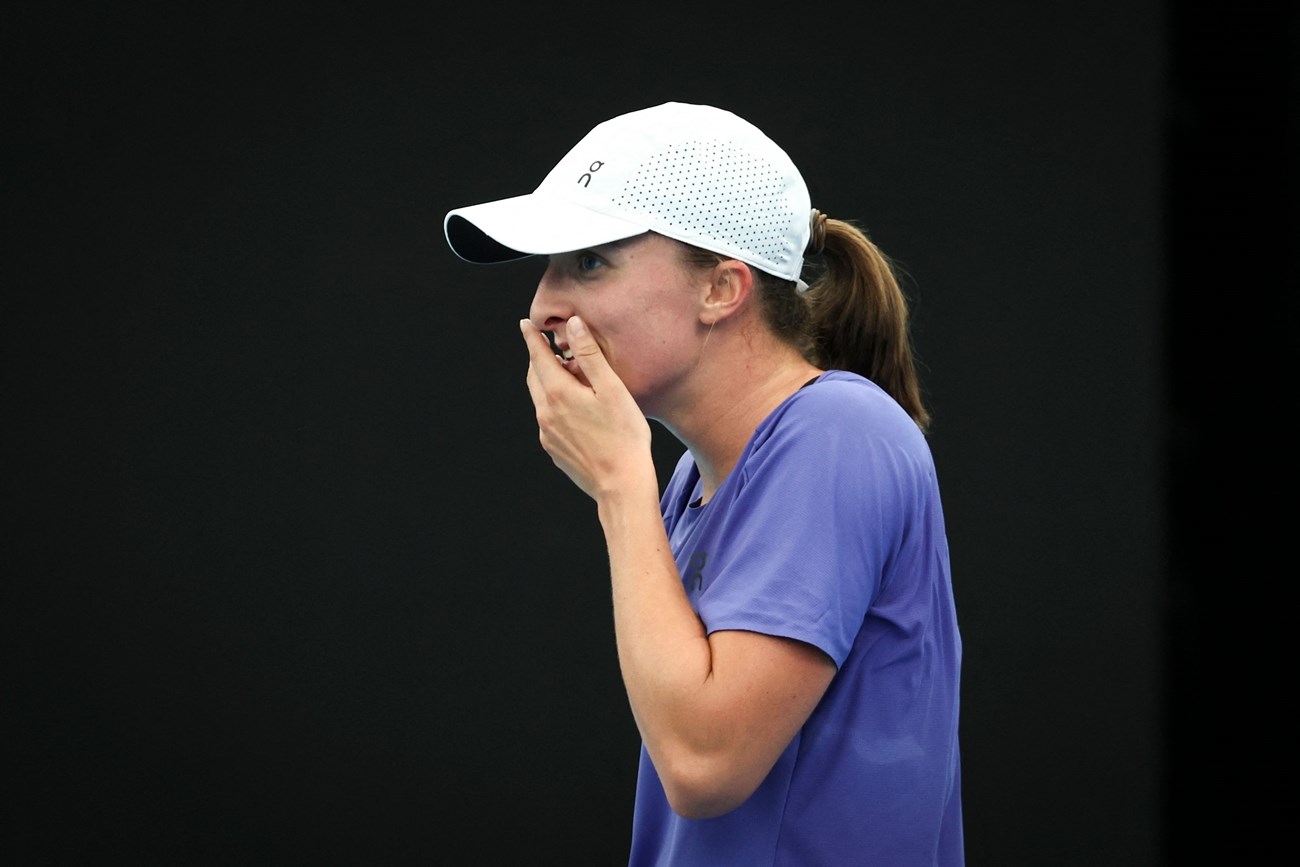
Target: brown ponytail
{"x": 860, "y": 316}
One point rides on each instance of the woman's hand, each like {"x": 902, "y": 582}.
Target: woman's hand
{"x": 587, "y": 420}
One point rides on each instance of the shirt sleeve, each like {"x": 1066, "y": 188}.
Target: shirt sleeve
{"x": 820, "y": 504}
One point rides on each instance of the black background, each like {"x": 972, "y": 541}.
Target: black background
{"x": 288, "y": 579}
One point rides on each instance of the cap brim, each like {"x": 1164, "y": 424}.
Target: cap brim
{"x": 529, "y": 225}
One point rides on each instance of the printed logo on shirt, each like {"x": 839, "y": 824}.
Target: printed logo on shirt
{"x": 695, "y": 570}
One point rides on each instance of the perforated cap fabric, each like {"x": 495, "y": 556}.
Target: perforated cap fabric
{"x": 696, "y": 173}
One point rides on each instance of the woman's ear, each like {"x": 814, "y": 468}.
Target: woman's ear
{"x": 730, "y": 286}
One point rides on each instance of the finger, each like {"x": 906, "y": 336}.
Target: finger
{"x": 534, "y": 387}
{"x": 538, "y": 346}
{"x": 587, "y": 355}
{"x": 541, "y": 355}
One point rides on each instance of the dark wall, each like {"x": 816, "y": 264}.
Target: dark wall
{"x": 1229, "y": 326}
{"x": 289, "y": 579}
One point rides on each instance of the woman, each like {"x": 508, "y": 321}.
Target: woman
{"x": 783, "y": 609}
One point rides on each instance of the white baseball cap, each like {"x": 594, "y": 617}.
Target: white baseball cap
{"x": 695, "y": 173}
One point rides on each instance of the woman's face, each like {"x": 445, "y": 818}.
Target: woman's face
{"x": 640, "y": 301}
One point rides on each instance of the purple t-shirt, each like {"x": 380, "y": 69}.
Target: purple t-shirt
{"x": 829, "y": 530}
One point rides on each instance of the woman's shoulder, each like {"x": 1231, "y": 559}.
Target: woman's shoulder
{"x": 840, "y": 394}
{"x": 844, "y": 409}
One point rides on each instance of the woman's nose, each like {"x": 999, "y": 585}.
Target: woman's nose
{"x": 550, "y": 305}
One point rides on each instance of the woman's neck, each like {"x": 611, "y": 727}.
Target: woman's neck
{"x": 718, "y": 423}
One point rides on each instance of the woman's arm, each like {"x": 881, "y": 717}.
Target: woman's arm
{"x": 715, "y": 711}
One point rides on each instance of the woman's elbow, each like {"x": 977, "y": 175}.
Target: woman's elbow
{"x": 703, "y": 788}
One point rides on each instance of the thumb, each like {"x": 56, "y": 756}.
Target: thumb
{"x": 586, "y": 351}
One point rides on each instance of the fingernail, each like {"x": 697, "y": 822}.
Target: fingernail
{"x": 577, "y": 326}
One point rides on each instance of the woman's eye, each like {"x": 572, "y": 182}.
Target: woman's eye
{"x": 589, "y": 262}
